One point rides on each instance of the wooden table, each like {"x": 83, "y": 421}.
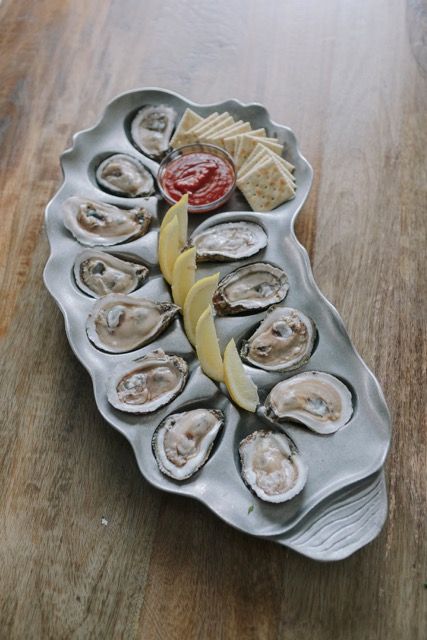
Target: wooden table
{"x": 87, "y": 548}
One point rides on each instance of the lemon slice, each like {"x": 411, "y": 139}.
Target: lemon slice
{"x": 180, "y": 211}
{"x": 198, "y": 298}
{"x": 183, "y": 275}
{"x": 240, "y": 386}
{"x": 207, "y": 346}
{"x": 169, "y": 248}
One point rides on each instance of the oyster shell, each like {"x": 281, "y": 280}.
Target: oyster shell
{"x": 183, "y": 441}
{"x": 120, "y": 323}
{"x": 318, "y": 400}
{"x": 124, "y": 175}
{"x": 151, "y": 129}
{"x": 250, "y": 288}
{"x": 98, "y": 273}
{"x": 148, "y": 383}
{"x": 284, "y": 340}
{"x": 271, "y": 466}
{"x": 96, "y": 223}
{"x": 230, "y": 241}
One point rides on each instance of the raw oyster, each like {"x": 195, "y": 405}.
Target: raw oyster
{"x": 284, "y": 340}
{"x": 230, "y": 241}
{"x": 318, "y": 400}
{"x": 271, "y": 466}
{"x": 147, "y": 383}
{"x": 98, "y": 273}
{"x": 183, "y": 441}
{"x": 151, "y": 129}
{"x": 250, "y": 288}
{"x": 96, "y": 223}
{"x": 120, "y": 323}
{"x": 124, "y": 175}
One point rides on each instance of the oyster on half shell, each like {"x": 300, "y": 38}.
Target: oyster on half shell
{"x": 98, "y": 273}
{"x": 120, "y": 323}
{"x": 124, "y": 175}
{"x": 96, "y": 223}
{"x": 229, "y": 241}
{"x": 148, "y": 383}
{"x": 151, "y": 129}
{"x": 284, "y": 340}
{"x": 271, "y": 466}
{"x": 183, "y": 441}
{"x": 253, "y": 287}
{"x": 318, "y": 400}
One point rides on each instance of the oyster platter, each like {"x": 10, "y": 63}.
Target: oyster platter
{"x": 192, "y": 305}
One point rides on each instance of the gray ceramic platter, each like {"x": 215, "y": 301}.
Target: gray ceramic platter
{"x": 343, "y": 505}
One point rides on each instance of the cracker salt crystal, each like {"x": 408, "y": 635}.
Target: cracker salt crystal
{"x": 265, "y": 186}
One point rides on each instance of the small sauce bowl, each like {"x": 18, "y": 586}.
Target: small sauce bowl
{"x": 204, "y": 171}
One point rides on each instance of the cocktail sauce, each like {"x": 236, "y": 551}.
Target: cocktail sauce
{"x": 203, "y": 175}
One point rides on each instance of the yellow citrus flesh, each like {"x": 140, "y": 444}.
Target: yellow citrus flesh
{"x": 180, "y": 211}
{"x": 169, "y": 248}
{"x": 207, "y": 346}
{"x": 240, "y": 386}
{"x": 183, "y": 275}
{"x": 198, "y": 298}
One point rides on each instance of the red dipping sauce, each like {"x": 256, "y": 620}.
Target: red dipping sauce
{"x": 205, "y": 176}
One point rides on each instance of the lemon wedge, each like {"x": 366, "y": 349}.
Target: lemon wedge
{"x": 180, "y": 211}
{"x": 207, "y": 346}
{"x": 198, "y": 298}
{"x": 183, "y": 275}
{"x": 169, "y": 248}
{"x": 240, "y": 386}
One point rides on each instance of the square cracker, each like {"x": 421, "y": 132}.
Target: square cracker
{"x": 208, "y": 124}
{"x": 231, "y": 143}
{"x": 262, "y": 151}
{"x": 256, "y": 155}
{"x": 191, "y": 135}
{"x": 265, "y": 186}
{"x": 238, "y": 127}
{"x": 285, "y": 173}
{"x": 277, "y": 147}
{"x": 218, "y": 126}
{"x": 247, "y": 144}
{"x": 189, "y": 119}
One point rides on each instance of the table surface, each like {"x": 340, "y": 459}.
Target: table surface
{"x": 87, "y": 548}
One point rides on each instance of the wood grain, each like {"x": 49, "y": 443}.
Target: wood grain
{"x": 350, "y": 79}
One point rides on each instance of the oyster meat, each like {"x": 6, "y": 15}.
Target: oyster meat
{"x": 318, "y": 400}
{"x": 96, "y": 223}
{"x": 124, "y": 175}
{"x": 120, "y": 323}
{"x": 271, "y": 466}
{"x": 183, "y": 441}
{"x": 98, "y": 273}
{"x": 284, "y": 340}
{"x": 253, "y": 287}
{"x": 229, "y": 241}
{"x": 147, "y": 383}
{"x": 151, "y": 129}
